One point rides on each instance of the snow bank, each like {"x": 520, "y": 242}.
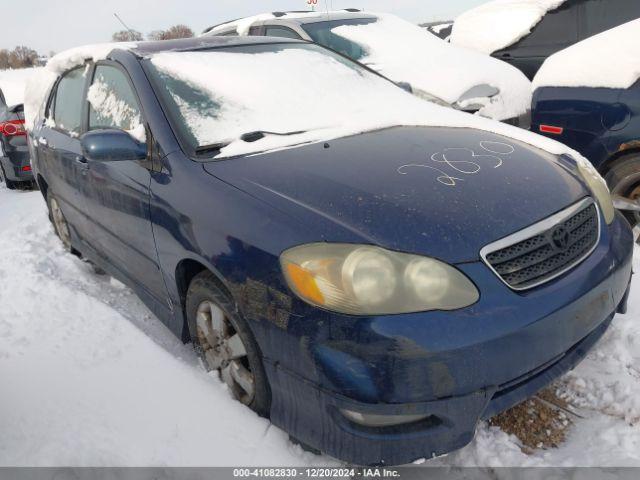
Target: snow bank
{"x": 609, "y": 60}
{"x": 270, "y": 91}
{"x": 90, "y": 378}
{"x": 500, "y": 23}
{"x": 12, "y": 83}
{"x": 437, "y": 67}
{"x": 39, "y": 85}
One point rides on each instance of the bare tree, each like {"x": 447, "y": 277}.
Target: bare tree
{"x": 177, "y": 31}
{"x": 127, "y": 36}
{"x": 4, "y": 59}
{"x": 23, "y": 57}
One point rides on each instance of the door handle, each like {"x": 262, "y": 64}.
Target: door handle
{"x": 505, "y": 55}
{"x": 82, "y": 162}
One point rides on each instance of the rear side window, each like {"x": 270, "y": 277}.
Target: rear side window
{"x": 558, "y": 27}
{"x": 601, "y": 15}
{"x": 67, "y": 110}
{"x": 112, "y": 102}
{"x": 282, "y": 32}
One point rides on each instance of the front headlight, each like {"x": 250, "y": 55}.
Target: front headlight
{"x": 367, "y": 280}
{"x": 598, "y": 188}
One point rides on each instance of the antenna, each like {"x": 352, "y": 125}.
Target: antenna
{"x": 122, "y": 22}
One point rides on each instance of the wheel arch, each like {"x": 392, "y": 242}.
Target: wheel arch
{"x": 186, "y": 270}
{"x": 625, "y": 150}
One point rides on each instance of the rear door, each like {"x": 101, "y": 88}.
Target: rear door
{"x": 59, "y": 148}
{"x": 118, "y": 191}
{"x": 556, "y": 31}
{"x": 597, "y": 16}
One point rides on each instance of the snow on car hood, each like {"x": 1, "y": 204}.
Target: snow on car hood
{"x": 500, "y": 23}
{"x": 405, "y": 52}
{"x": 594, "y": 63}
{"x": 40, "y": 84}
{"x": 302, "y": 88}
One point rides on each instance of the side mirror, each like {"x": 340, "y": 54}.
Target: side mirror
{"x": 112, "y": 146}
{"x": 476, "y": 97}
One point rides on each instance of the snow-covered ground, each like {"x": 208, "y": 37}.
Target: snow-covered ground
{"x": 12, "y": 83}
{"x": 91, "y": 378}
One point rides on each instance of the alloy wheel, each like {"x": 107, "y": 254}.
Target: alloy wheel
{"x": 60, "y": 224}
{"x": 225, "y": 351}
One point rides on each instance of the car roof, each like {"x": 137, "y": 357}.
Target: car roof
{"x": 201, "y": 43}
{"x": 303, "y": 17}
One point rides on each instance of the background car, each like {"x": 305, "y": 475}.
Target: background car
{"x": 408, "y": 55}
{"x": 358, "y": 312}
{"x": 578, "y": 101}
{"x": 526, "y": 32}
{"x": 15, "y": 167}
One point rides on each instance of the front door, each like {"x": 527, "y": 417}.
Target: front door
{"x": 119, "y": 190}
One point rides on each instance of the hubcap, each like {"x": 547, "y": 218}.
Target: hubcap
{"x": 61, "y": 224}
{"x": 224, "y": 351}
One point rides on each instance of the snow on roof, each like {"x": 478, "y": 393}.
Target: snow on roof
{"x": 243, "y": 25}
{"x": 594, "y": 63}
{"x": 498, "y": 24}
{"x": 437, "y": 67}
{"x": 327, "y": 99}
{"x": 40, "y": 84}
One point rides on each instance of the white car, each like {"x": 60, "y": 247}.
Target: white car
{"x": 407, "y": 54}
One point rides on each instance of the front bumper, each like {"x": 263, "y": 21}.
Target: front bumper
{"x": 455, "y": 367}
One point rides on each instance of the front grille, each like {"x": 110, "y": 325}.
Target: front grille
{"x": 546, "y": 250}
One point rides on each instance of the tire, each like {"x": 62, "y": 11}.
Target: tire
{"x": 11, "y": 185}
{"x": 225, "y": 343}
{"x": 60, "y": 225}
{"x": 623, "y": 179}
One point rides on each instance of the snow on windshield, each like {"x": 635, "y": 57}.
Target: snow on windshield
{"x": 298, "y": 88}
{"x": 594, "y": 63}
{"x": 500, "y": 23}
{"x": 405, "y": 52}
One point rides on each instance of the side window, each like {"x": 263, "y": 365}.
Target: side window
{"x": 112, "y": 103}
{"x": 67, "y": 108}
{"x": 281, "y": 32}
{"x": 601, "y": 15}
{"x": 558, "y": 27}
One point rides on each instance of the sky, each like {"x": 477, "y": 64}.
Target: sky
{"x": 55, "y": 25}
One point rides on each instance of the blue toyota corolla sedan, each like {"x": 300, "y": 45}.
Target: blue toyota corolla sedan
{"x": 373, "y": 273}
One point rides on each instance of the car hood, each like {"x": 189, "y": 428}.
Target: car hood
{"x": 442, "y": 192}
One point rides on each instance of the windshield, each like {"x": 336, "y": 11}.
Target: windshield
{"x": 322, "y": 33}
{"x": 215, "y": 98}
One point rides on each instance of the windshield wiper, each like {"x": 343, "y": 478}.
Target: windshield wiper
{"x": 249, "y": 137}
{"x": 213, "y": 148}
{"x": 260, "y": 134}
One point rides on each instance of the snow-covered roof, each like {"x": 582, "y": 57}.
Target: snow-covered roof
{"x": 498, "y": 24}
{"x": 608, "y": 60}
{"x": 39, "y": 84}
{"x": 242, "y": 25}
{"x": 404, "y": 52}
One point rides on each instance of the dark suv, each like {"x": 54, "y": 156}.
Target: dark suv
{"x": 572, "y": 22}
{"x": 15, "y": 169}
